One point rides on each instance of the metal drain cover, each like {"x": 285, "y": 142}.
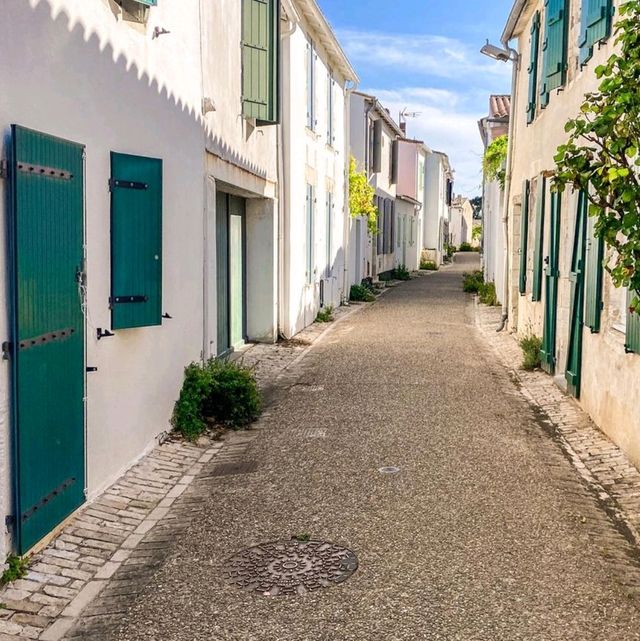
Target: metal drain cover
{"x": 293, "y": 567}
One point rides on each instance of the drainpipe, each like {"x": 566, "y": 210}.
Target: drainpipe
{"x": 347, "y": 210}
{"x": 515, "y": 61}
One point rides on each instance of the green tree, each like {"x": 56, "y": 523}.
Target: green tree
{"x": 361, "y": 197}
{"x": 601, "y": 155}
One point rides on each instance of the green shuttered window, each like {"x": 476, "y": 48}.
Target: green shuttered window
{"x": 633, "y": 329}
{"x": 554, "y": 48}
{"x": 593, "y": 278}
{"x": 149, "y": 3}
{"x": 524, "y": 237}
{"x": 595, "y": 26}
{"x": 536, "y": 290}
{"x": 136, "y": 241}
{"x": 533, "y": 68}
{"x": 260, "y": 42}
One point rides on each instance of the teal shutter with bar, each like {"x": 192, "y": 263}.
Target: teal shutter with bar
{"x": 536, "y": 291}
{"x": 260, "y": 60}
{"x": 136, "y": 241}
{"x": 311, "y": 199}
{"x": 533, "y": 68}
{"x": 554, "y": 47}
{"x": 593, "y": 278}
{"x": 148, "y": 3}
{"x": 595, "y": 26}
{"x": 524, "y": 236}
{"x": 632, "y": 344}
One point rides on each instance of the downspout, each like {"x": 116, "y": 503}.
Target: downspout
{"x": 283, "y": 201}
{"x": 346, "y": 232}
{"x": 515, "y": 61}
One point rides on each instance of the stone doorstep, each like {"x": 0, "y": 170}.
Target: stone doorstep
{"x": 46, "y": 603}
{"x": 601, "y": 464}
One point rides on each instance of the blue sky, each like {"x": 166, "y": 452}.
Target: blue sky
{"x": 424, "y": 55}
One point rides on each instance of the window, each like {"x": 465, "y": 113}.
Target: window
{"x": 310, "y": 240}
{"x": 554, "y": 48}
{"x": 311, "y": 86}
{"x": 260, "y": 54}
{"x": 533, "y": 68}
{"x": 538, "y": 246}
{"x": 595, "y": 26}
{"x": 329, "y": 222}
{"x": 136, "y": 241}
{"x": 136, "y": 10}
{"x": 330, "y": 88}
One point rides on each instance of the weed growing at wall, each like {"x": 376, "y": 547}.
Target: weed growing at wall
{"x": 360, "y": 293}
{"x": 428, "y": 265}
{"x": 487, "y": 294}
{"x": 16, "y": 568}
{"x": 401, "y": 273}
{"x": 530, "y": 346}
{"x": 325, "y": 315}
{"x": 472, "y": 282}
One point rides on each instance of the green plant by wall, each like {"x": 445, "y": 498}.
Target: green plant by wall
{"x": 601, "y": 156}
{"x": 466, "y": 247}
{"x": 17, "y": 569}
{"x": 476, "y": 232}
{"x": 401, "y": 273}
{"x": 487, "y": 294}
{"x": 494, "y": 160}
{"x": 361, "y": 294}
{"x": 217, "y": 390}
{"x": 325, "y": 315}
{"x": 428, "y": 265}
{"x": 530, "y": 346}
{"x": 361, "y": 197}
{"x": 472, "y": 282}
{"x": 450, "y": 250}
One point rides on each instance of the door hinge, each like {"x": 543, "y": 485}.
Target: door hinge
{"x": 4, "y": 169}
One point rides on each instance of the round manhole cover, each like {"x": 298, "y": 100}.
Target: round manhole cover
{"x": 290, "y": 567}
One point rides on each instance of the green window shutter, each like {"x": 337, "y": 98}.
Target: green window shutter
{"x": 149, "y": 3}
{"x": 311, "y": 86}
{"x": 524, "y": 237}
{"x": 260, "y": 60}
{"x": 536, "y": 290}
{"x": 533, "y": 68}
{"x": 595, "y": 26}
{"x": 554, "y": 48}
{"x": 632, "y": 345}
{"x": 136, "y": 241}
{"x": 593, "y": 278}
{"x": 311, "y": 198}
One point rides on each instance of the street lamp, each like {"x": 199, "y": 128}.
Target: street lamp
{"x": 498, "y": 53}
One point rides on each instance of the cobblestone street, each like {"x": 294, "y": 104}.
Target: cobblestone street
{"x": 511, "y": 516}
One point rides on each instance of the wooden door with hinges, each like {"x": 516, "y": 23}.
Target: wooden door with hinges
{"x": 47, "y": 352}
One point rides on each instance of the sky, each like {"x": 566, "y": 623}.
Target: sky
{"x": 425, "y": 55}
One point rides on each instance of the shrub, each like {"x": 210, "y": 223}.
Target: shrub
{"x": 429, "y": 265}
{"x": 401, "y": 273}
{"x": 530, "y": 346}
{"x": 325, "y": 315}
{"x": 466, "y": 247}
{"x": 368, "y": 284}
{"x": 360, "y": 293}
{"x": 219, "y": 390}
{"x": 450, "y": 250}
{"x": 472, "y": 282}
{"x": 487, "y": 294}
{"x": 17, "y": 567}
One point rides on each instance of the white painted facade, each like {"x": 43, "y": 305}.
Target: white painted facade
{"x": 439, "y": 186}
{"x": 314, "y": 235}
{"x": 460, "y": 221}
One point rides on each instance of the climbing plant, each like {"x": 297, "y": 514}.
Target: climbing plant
{"x": 494, "y": 160}
{"x": 361, "y": 197}
{"x": 601, "y": 155}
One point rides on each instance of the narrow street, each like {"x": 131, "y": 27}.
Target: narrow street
{"x": 486, "y": 532}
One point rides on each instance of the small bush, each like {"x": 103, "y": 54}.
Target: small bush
{"x": 368, "y": 284}
{"x": 16, "y": 569}
{"x": 360, "y": 293}
{"x": 530, "y": 346}
{"x": 472, "y": 282}
{"x": 218, "y": 390}
{"x": 450, "y": 250}
{"x": 401, "y": 273}
{"x": 487, "y": 294}
{"x": 429, "y": 265}
{"x": 325, "y": 315}
{"x": 465, "y": 247}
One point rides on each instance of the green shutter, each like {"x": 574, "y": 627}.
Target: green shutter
{"x": 524, "y": 237}
{"x": 536, "y": 292}
{"x": 554, "y": 48}
{"x": 260, "y": 38}
{"x": 595, "y": 26}
{"x": 633, "y": 329}
{"x": 136, "y": 241}
{"x": 533, "y": 68}
{"x": 149, "y": 3}
{"x": 310, "y": 233}
{"x": 593, "y": 278}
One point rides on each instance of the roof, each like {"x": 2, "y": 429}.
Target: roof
{"x": 499, "y": 106}
{"x": 325, "y": 35}
{"x": 512, "y": 20}
{"x": 382, "y": 111}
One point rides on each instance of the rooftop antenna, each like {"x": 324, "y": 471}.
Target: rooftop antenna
{"x": 404, "y": 114}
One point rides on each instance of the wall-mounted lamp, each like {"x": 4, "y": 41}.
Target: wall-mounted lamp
{"x": 159, "y": 31}
{"x": 498, "y": 53}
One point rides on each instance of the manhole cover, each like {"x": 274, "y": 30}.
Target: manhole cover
{"x": 389, "y": 469}
{"x": 291, "y": 567}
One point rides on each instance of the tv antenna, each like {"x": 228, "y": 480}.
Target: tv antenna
{"x": 405, "y": 114}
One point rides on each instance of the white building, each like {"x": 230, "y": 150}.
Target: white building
{"x": 317, "y": 77}
{"x": 438, "y": 198}
{"x": 373, "y": 134}
{"x": 460, "y": 221}
{"x": 493, "y": 126}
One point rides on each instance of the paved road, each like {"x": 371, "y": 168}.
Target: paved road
{"x": 484, "y": 535}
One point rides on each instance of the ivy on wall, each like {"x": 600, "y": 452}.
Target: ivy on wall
{"x": 361, "y": 197}
{"x": 495, "y": 158}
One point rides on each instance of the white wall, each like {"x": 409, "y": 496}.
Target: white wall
{"x": 84, "y": 75}
{"x": 436, "y": 210}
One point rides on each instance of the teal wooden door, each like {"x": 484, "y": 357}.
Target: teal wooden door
{"x": 47, "y": 176}
{"x": 551, "y": 275}
{"x": 236, "y": 271}
{"x": 576, "y": 312}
